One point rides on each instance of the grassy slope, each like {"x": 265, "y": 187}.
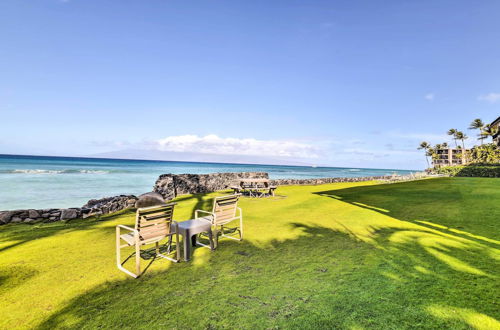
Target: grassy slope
{"x": 419, "y": 254}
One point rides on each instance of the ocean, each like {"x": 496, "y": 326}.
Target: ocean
{"x": 57, "y": 182}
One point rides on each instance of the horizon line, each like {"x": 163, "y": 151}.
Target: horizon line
{"x": 201, "y": 162}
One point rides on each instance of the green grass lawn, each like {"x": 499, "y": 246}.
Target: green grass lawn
{"x": 349, "y": 255}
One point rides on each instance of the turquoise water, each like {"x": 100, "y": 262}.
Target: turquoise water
{"x": 53, "y": 182}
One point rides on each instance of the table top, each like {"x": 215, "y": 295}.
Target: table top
{"x": 200, "y": 223}
{"x": 254, "y": 180}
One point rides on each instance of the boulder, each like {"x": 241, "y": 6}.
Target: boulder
{"x": 16, "y": 219}
{"x": 6, "y": 216}
{"x": 69, "y": 214}
{"x": 33, "y": 214}
{"x": 149, "y": 199}
{"x": 165, "y": 186}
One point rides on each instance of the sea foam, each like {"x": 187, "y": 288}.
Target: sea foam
{"x": 38, "y": 171}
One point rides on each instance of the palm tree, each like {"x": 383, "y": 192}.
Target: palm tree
{"x": 487, "y": 132}
{"x": 425, "y": 146}
{"x": 444, "y": 145}
{"x": 452, "y": 132}
{"x": 478, "y": 124}
{"x": 432, "y": 152}
{"x": 460, "y": 136}
{"x": 483, "y": 136}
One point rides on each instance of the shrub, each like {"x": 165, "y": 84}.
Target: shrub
{"x": 473, "y": 170}
{"x": 487, "y": 153}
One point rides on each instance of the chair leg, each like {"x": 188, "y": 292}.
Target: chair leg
{"x": 211, "y": 238}
{"x": 137, "y": 259}
{"x": 177, "y": 250}
{"x": 118, "y": 249}
{"x": 118, "y": 256}
{"x": 241, "y": 228}
{"x": 215, "y": 237}
{"x": 169, "y": 245}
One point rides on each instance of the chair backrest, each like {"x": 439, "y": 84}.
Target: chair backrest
{"x": 225, "y": 208}
{"x": 154, "y": 221}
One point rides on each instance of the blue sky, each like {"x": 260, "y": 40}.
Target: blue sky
{"x": 342, "y": 83}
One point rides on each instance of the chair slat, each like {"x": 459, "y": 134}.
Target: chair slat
{"x": 158, "y": 207}
{"x": 224, "y": 198}
{"x": 154, "y": 231}
{"x": 156, "y": 216}
{"x": 155, "y": 228}
{"x": 223, "y": 219}
{"x": 225, "y": 207}
{"x": 231, "y": 212}
{"x": 227, "y": 199}
{"x": 152, "y": 212}
{"x": 151, "y": 224}
{"x": 158, "y": 236}
{"x": 226, "y": 203}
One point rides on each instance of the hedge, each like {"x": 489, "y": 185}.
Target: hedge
{"x": 475, "y": 170}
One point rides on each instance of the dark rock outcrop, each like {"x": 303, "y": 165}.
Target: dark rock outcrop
{"x": 108, "y": 205}
{"x": 288, "y": 182}
{"x": 93, "y": 207}
{"x": 172, "y": 185}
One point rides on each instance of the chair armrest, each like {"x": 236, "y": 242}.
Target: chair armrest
{"x": 135, "y": 231}
{"x": 127, "y": 228}
{"x": 240, "y": 211}
{"x": 202, "y": 211}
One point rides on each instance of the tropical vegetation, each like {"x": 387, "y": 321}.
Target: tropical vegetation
{"x": 421, "y": 254}
{"x": 471, "y": 170}
{"x": 482, "y": 154}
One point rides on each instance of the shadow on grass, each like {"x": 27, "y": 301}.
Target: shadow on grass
{"x": 24, "y": 233}
{"x": 14, "y": 276}
{"x": 322, "y": 278}
{"x": 431, "y": 204}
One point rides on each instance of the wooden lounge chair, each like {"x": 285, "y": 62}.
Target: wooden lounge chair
{"x": 225, "y": 210}
{"x": 152, "y": 224}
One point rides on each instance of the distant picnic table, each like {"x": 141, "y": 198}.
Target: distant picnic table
{"x": 254, "y": 187}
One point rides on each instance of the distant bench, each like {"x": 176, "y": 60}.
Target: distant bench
{"x": 254, "y": 187}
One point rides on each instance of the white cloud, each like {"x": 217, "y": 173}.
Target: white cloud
{"x": 429, "y": 96}
{"x": 213, "y": 144}
{"x": 491, "y": 97}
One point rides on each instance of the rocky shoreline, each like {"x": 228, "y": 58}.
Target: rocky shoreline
{"x": 169, "y": 186}
{"x": 93, "y": 207}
